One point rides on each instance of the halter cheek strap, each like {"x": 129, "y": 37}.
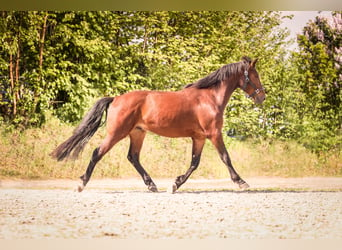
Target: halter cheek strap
{"x": 248, "y": 81}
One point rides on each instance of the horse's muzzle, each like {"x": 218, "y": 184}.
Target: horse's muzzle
{"x": 259, "y": 99}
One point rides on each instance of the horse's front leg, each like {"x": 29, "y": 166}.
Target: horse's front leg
{"x": 197, "y": 147}
{"x": 217, "y": 140}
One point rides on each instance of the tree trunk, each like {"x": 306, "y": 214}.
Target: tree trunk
{"x": 41, "y": 46}
{"x": 17, "y": 71}
{"x": 11, "y": 66}
{"x": 42, "y": 34}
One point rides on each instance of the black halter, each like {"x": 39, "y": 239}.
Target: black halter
{"x": 248, "y": 81}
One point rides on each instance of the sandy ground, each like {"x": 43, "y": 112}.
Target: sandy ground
{"x": 274, "y": 208}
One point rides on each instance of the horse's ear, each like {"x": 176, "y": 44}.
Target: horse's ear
{"x": 254, "y": 62}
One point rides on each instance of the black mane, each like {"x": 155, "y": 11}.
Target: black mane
{"x": 221, "y": 74}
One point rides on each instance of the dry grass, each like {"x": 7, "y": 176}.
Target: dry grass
{"x": 26, "y": 155}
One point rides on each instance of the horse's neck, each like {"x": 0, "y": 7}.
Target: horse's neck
{"x": 224, "y": 92}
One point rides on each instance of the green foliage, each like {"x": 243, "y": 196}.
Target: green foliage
{"x": 319, "y": 64}
{"x": 68, "y": 58}
{"x": 61, "y": 62}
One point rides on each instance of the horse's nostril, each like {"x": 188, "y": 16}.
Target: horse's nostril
{"x": 260, "y": 99}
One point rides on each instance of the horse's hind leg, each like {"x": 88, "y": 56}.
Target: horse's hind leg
{"x": 97, "y": 155}
{"x": 137, "y": 136}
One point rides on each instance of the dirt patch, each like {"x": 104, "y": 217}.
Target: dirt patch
{"x": 258, "y": 183}
{"x": 292, "y": 208}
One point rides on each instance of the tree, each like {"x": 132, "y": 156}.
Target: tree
{"x": 69, "y": 58}
{"x": 319, "y": 62}
{"x": 22, "y": 48}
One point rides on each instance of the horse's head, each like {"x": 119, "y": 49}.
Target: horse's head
{"x": 250, "y": 82}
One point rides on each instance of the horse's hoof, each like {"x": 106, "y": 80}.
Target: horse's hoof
{"x": 153, "y": 189}
{"x": 243, "y": 186}
{"x": 80, "y": 187}
{"x": 172, "y": 189}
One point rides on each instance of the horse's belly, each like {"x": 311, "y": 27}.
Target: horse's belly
{"x": 171, "y": 132}
{"x": 177, "y": 127}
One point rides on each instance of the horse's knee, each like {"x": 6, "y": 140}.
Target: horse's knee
{"x": 130, "y": 158}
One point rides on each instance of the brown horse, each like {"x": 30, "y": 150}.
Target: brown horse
{"x": 195, "y": 111}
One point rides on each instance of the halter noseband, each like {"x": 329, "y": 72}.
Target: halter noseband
{"x": 248, "y": 81}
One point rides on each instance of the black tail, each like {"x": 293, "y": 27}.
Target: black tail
{"x": 82, "y": 134}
